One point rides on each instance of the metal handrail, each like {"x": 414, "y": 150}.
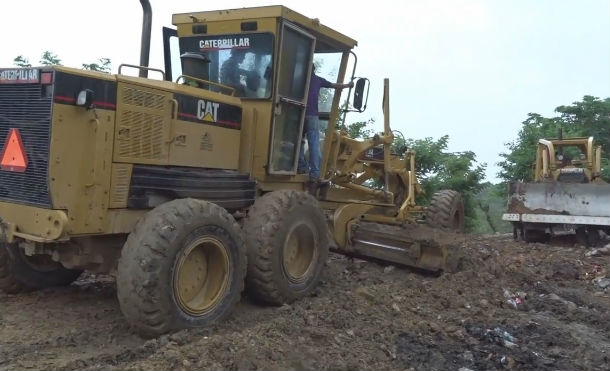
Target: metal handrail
{"x": 142, "y": 68}
{"x": 211, "y": 83}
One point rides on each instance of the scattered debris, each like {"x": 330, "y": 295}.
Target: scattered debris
{"x": 515, "y": 300}
{"x": 502, "y": 337}
{"x": 602, "y": 282}
{"x": 599, "y": 251}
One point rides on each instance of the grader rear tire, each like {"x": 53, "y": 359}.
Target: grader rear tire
{"x": 183, "y": 266}
{"x": 287, "y": 241}
{"x": 446, "y": 211}
{"x": 19, "y": 272}
{"x": 8, "y": 283}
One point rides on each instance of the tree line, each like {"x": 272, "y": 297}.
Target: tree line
{"x": 49, "y": 58}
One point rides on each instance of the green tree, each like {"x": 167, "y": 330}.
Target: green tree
{"x": 50, "y": 59}
{"x": 437, "y": 169}
{"x": 589, "y": 117}
{"x": 358, "y": 130}
{"x": 21, "y": 61}
{"x": 102, "y": 65}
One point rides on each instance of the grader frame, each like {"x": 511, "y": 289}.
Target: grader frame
{"x": 148, "y": 179}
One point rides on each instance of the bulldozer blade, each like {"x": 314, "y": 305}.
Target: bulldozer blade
{"x": 582, "y": 199}
{"x": 413, "y": 245}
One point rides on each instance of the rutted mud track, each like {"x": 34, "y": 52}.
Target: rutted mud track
{"x": 363, "y": 316}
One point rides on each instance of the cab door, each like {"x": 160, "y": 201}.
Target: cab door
{"x": 294, "y": 71}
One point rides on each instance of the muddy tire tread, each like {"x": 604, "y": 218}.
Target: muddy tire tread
{"x": 145, "y": 256}
{"x": 263, "y": 224}
{"x": 443, "y": 205}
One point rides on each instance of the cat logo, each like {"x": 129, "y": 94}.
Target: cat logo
{"x": 207, "y": 111}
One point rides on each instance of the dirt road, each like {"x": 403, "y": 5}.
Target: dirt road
{"x": 512, "y": 306}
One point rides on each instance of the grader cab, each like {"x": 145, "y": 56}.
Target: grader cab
{"x": 186, "y": 187}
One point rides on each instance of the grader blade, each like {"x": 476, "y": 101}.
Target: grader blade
{"x": 413, "y": 245}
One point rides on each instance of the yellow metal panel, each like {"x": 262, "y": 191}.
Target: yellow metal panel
{"x": 80, "y": 72}
{"x": 228, "y": 27}
{"x": 79, "y": 164}
{"x": 119, "y": 188}
{"x": 313, "y": 25}
{"x": 203, "y": 145}
{"x": 256, "y": 120}
{"x": 41, "y": 223}
{"x": 143, "y": 122}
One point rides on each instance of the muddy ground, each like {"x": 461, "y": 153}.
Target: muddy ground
{"x": 512, "y": 306}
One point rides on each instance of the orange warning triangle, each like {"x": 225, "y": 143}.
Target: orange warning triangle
{"x": 13, "y": 156}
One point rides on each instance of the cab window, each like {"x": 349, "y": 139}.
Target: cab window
{"x": 243, "y": 62}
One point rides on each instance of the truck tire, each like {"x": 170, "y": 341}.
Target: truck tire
{"x": 287, "y": 243}
{"x": 446, "y": 211}
{"x": 587, "y": 236}
{"x": 19, "y": 272}
{"x": 183, "y": 266}
{"x": 531, "y": 235}
{"x": 517, "y": 232}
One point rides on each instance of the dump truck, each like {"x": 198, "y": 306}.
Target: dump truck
{"x": 567, "y": 194}
{"x": 185, "y": 186}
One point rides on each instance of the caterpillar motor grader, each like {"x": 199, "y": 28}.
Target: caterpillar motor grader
{"x": 186, "y": 187}
{"x": 567, "y": 193}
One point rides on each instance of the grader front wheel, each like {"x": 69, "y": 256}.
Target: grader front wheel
{"x": 287, "y": 242}
{"x": 183, "y": 266}
{"x": 446, "y": 211}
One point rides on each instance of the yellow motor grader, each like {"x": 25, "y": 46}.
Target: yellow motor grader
{"x": 186, "y": 186}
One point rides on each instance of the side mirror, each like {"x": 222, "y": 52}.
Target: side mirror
{"x": 359, "y": 95}
{"x": 85, "y": 99}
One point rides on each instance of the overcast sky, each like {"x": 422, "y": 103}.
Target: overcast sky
{"x": 469, "y": 69}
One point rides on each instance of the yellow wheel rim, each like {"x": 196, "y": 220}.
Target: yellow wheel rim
{"x": 300, "y": 253}
{"x": 201, "y": 275}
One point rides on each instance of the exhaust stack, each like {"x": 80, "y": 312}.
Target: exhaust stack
{"x": 145, "y": 43}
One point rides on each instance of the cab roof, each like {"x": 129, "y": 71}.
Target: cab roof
{"x": 327, "y": 39}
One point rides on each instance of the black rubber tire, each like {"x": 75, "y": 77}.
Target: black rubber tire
{"x": 446, "y": 211}
{"x": 145, "y": 274}
{"x": 267, "y": 226}
{"x": 8, "y": 283}
{"x": 587, "y": 236}
{"x": 534, "y": 235}
{"x": 17, "y": 274}
{"x": 517, "y": 232}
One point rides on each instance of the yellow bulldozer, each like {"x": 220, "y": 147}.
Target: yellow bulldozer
{"x": 185, "y": 186}
{"x": 567, "y": 193}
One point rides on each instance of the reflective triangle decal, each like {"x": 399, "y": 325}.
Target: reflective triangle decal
{"x": 13, "y": 156}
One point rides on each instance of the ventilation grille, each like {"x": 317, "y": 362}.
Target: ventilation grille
{"x": 141, "y": 131}
{"x": 141, "y": 98}
{"x": 141, "y": 135}
{"x": 119, "y": 190}
{"x": 23, "y": 107}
